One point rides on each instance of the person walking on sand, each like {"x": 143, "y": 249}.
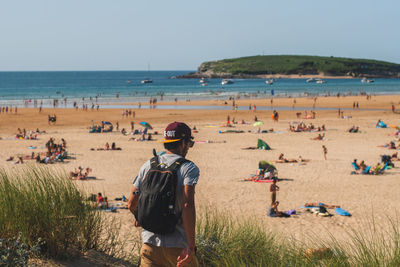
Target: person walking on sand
{"x": 168, "y": 240}
{"x": 325, "y": 151}
{"x": 273, "y": 189}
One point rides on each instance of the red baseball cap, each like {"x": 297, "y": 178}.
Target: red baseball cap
{"x": 176, "y": 131}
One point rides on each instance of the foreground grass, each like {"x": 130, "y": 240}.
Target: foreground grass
{"x": 221, "y": 242}
{"x": 39, "y": 204}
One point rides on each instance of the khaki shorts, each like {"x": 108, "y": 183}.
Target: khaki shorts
{"x": 152, "y": 256}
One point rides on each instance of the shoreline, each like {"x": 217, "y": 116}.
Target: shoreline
{"x": 377, "y": 102}
{"x": 200, "y": 111}
{"x": 196, "y": 75}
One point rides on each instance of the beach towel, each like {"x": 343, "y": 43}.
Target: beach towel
{"x": 263, "y": 181}
{"x": 381, "y": 125}
{"x": 342, "y": 212}
{"x": 230, "y": 131}
{"x": 291, "y": 212}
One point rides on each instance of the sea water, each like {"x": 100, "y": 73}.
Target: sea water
{"x": 101, "y": 87}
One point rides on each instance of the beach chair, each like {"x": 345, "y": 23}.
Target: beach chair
{"x": 355, "y": 166}
{"x": 366, "y": 171}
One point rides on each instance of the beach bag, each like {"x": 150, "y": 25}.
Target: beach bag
{"x": 156, "y": 206}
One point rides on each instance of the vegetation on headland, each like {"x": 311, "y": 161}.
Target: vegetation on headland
{"x": 43, "y": 213}
{"x": 260, "y": 66}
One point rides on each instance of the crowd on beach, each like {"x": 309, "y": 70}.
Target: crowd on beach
{"x": 8, "y": 110}
{"x": 107, "y": 147}
{"x": 54, "y": 152}
{"x": 28, "y": 135}
{"x": 302, "y": 127}
{"x": 80, "y": 173}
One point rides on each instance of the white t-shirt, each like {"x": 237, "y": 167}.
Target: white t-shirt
{"x": 187, "y": 174}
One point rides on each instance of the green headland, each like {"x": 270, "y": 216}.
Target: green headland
{"x": 295, "y": 66}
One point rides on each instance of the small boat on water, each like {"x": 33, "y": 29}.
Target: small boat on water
{"x": 270, "y": 81}
{"x": 204, "y": 84}
{"x": 320, "y": 81}
{"x": 148, "y": 80}
{"x": 226, "y": 81}
{"x": 203, "y": 80}
{"x": 311, "y": 80}
{"x": 365, "y": 80}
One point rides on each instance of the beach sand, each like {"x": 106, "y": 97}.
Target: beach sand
{"x": 223, "y": 166}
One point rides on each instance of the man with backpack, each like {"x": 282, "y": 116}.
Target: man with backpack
{"x": 162, "y": 200}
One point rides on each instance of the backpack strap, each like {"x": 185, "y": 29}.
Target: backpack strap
{"x": 155, "y": 163}
{"x": 175, "y": 166}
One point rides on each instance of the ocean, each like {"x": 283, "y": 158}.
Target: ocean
{"x": 101, "y": 87}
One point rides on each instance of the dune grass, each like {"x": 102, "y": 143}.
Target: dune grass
{"x": 37, "y": 203}
{"x": 221, "y": 242}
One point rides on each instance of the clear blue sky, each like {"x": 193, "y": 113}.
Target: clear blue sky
{"x": 179, "y": 35}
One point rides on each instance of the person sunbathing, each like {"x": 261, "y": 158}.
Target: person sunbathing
{"x": 114, "y": 147}
{"x": 353, "y": 129}
{"x": 363, "y": 167}
{"x": 74, "y": 174}
{"x": 281, "y": 159}
{"x": 85, "y": 175}
{"x": 316, "y": 204}
{"x": 394, "y": 157}
{"x": 392, "y": 145}
{"x": 78, "y": 175}
{"x": 303, "y": 160}
{"x": 379, "y": 168}
{"x": 274, "y": 212}
{"x": 20, "y": 160}
{"x": 356, "y": 165}
{"x": 319, "y": 137}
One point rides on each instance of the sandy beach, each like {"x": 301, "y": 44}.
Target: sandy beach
{"x": 224, "y": 165}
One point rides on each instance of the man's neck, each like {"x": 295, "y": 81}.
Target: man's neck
{"x": 175, "y": 152}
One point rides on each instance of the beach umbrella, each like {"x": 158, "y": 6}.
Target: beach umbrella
{"x": 261, "y": 144}
{"x": 146, "y": 125}
{"x": 258, "y": 123}
{"x": 266, "y": 165}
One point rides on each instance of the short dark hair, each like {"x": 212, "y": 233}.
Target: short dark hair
{"x": 173, "y": 145}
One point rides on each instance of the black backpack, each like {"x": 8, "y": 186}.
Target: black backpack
{"x": 156, "y": 206}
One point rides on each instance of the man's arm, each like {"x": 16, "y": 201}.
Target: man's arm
{"x": 189, "y": 224}
{"x": 133, "y": 202}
